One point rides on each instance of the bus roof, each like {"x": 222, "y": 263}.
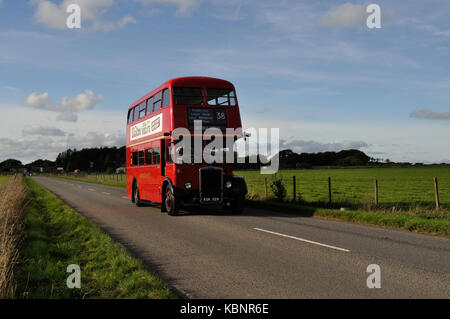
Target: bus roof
{"x": 188, "y": 81}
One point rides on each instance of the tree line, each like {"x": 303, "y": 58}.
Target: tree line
{"x": 108, "y": 159}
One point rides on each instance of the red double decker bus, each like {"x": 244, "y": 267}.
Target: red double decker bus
{"x": 154, "y": 172}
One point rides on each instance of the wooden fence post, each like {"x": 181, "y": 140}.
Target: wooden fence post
{"x": 329, "y": 190}
{"x": 436, "y": 193}
{"x": 295, "y": 190}
{"x": 265, "y": 181}
{"x": 376, "y": 192}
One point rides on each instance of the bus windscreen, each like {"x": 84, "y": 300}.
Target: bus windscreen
{"x": 223, "y": 97}
{"x": 188, "y": 96}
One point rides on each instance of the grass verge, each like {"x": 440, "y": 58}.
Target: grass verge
{"x": 3, "y": 178}
{"x": 56, "y": 236}
{"x": 416, "y": 219}
{"x": 12, "y": 198}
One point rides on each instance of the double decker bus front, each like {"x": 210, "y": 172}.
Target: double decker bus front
{"x": 200, "y": 180}
{"x": 155, "y": 170}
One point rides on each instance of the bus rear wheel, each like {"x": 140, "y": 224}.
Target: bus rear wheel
{"x": 171, "y": 202}
{"x": 136, "y": 197}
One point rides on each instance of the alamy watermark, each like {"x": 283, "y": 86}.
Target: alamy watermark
{"x": 374, "y": 279}
{"x": 214, "y": 145}
{"x": 74, "y": 280}
{"x": 374, "y": 19}
{"x": 74, "y": 19}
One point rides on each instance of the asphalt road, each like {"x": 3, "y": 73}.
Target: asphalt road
{"x": 262, "y": 254}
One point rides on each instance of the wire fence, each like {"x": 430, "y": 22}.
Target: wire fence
{"x": 393, "y": 190}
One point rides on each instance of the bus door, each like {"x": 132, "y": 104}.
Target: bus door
{"x": 169, "y": 160}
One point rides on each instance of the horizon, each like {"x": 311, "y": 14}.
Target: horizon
{"x": 373, "y": 160}
{"x": 314, "y": 70}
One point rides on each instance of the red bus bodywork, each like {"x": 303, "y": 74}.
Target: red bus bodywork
{"x": 151, "y": 180}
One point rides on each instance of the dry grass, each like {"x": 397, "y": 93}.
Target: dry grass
{"x": 12, "y": 199}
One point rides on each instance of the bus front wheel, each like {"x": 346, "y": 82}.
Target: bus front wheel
{"x": 171, "y": 202}
{"x": 238, "y": 204}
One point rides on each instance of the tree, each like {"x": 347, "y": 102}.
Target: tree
{"x": 9, "y": 164}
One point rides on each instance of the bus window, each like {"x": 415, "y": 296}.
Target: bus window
{"x": 141, "y": 158}
{"x": 136, "y": 114}
{"x": 149, "y": 105}
{"x": 166, "y": 98}
{"x": 225, "y": 97}
{"x": 130, "y": 116}
{"x": 134, "y": 161}
{"x": 188, "y": 96}
{"x": 157, "y": 102}
{"x": 142, "y": 110}
{"x": 148, "y": 157}
{"x": 156, "y": 156}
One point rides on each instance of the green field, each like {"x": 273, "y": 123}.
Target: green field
{"x": 396, "y": 186}
{"x": 3, "y": 178}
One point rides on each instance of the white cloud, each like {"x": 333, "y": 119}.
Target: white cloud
{"x": 184, "y": 7}
{"x": 67, "y": 107}
{"x": 43, "y": 131}
{"x": 345, "y": 15}
{"x": 94, "y": 129}
{"x": 430, "y": 115}
{"x": 67, "y": 117}
{"x": 54, "y": 16}
{"x": 28, "y": 150}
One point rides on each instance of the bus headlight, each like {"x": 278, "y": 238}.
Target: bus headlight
{"x": 228, "y": 184}
{"x": 188, "y": 185}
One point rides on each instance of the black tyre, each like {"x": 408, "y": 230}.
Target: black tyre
{"x": 238, "y": 205}
{"x": 171, "y": 202}
{"x": 136, "y": 197}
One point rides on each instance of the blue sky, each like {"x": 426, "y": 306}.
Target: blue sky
{"x": 311, "y": 68}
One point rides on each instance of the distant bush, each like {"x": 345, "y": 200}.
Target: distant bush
{"x": 278, "y": 189}
{"x": 303, "y": 165}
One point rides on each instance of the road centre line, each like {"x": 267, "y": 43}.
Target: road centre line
{"x": 303, "y": 240}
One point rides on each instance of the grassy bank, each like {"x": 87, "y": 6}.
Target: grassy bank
{"x": 3, "y": 178}
{"x": 12, "y": 199}
{"x": 56, "y": 236}
{"x": 413, "y": 218}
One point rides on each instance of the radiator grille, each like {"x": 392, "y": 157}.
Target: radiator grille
{"x": 211, "y": 181}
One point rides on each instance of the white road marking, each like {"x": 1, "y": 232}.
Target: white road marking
{"x": 301, "y": 239}
{"x": 106, "y": 193}
{"x": 91, "y": 189}
{"x": 125, "y": 197}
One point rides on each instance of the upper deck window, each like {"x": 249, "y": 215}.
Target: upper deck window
{"x": 136, "y": 113}
{"x": 223, "y": 97}
{"x": 157, "y": 103}
{"x": 188, "y": 96}
{"x": 149, "y": 105}
{"x": 130, "y": 116}
{"x": 142, "y": 110}
{"x": 166, "y": 98}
